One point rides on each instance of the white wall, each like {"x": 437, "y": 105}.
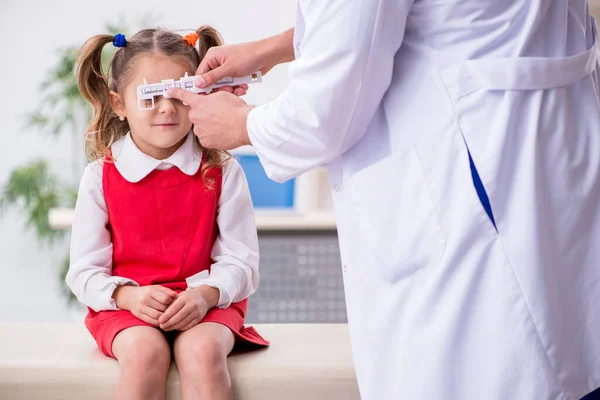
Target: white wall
{"x": 30, "y": 31}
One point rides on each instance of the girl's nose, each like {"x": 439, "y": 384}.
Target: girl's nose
{"x": 166, "y": 106}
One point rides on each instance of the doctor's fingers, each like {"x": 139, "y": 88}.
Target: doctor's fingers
{"x": 184, "y": 95}
{"x": 240, "y": 90}
{"x": 200, "y": 113}
{"x": 215, "y": 65}
{"x": 233, "y": 60}
{"x": 206, "y": 138}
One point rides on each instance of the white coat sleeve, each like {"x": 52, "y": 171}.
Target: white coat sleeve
{"x": 90, "y": 272}
{"x": 344, "y": 67}
{"x": 235, "y": 253}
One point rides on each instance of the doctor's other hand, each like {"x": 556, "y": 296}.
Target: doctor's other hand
{"x": 238, "y": 60}
{"x": 219, "y": 118}
{"x": 234, "y": 60}
{"x": 239, "y": 90}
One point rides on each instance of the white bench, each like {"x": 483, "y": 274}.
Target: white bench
{"x": 60, "y": 361}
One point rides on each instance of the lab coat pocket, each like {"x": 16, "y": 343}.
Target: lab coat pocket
{"x": 394, "y": 229}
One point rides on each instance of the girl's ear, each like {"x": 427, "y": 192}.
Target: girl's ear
{"x": 117, "y": 104}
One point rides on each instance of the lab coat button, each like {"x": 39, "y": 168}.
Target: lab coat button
{"x": 336, "y": 188}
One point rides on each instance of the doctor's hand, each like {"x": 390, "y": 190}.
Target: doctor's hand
{"x": 237, "y": 60}
{"x": 189, "y": 308}
{"x": 219, "y": 118}
{"x": 239, "y": 90}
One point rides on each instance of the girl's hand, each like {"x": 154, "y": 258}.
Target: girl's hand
{"x": 189, "y": 308}
{"x": 146, "y": 302}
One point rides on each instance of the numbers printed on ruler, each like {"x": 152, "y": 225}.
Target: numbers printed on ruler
{"x": 147, "y": 91}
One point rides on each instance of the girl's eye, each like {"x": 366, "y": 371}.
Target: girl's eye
{"x": 147, "y": 103}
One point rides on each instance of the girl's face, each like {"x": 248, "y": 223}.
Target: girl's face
{"x": 158, "y": 132}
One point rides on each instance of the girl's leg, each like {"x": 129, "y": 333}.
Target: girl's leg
{"x": 201, "y": 357}
{"x": 144, "y": 357}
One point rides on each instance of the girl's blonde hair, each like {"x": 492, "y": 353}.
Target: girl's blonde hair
{"x": 95, "y": 86}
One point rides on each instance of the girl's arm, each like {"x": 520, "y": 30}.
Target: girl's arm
{"x": 235, "y": 252}
{"x": 90, "y": 273}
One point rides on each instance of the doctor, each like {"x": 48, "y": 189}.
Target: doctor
{"x": 462, "y": 142}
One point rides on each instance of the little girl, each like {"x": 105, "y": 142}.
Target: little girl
{"x": 164, "y": 250}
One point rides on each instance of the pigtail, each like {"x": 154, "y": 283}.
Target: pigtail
{"x": 208, "y": 37}
{"x": 93, "y": 86}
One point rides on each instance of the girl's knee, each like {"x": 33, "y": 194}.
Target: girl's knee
{"x": 143, "y": 350}
{"x": 151, "y": 352}
{"x": 207, "y": 351}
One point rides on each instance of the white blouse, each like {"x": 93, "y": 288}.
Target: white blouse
{"x": 235, "y": 251}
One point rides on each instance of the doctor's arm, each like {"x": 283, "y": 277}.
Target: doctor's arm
{"x": 336, "y": 83}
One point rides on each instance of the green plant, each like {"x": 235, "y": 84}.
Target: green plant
{"x": 37, "y": 191}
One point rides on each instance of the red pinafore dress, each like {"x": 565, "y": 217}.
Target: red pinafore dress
{"x": 163, "y": 229}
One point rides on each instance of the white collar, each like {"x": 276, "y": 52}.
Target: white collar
{"x": 134, "y": 165}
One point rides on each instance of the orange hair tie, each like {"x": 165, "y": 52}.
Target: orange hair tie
{"x": 191, "y": 38}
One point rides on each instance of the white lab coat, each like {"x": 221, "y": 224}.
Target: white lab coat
{"x": 441, "y": 303}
